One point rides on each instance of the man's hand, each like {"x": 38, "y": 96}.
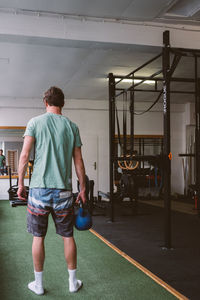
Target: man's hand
{"x": 21, "y": 193}
{"x": 81, "y": 197}
{"x": 80, "y": 171}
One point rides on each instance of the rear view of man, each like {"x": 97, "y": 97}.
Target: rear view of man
{"x": 57, "y": 142}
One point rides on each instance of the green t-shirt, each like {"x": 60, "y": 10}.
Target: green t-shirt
{"x": 2, "y": 160}
{"x": 55, "y": 139}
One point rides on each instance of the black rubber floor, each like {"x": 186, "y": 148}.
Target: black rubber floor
{"x": 142, "y": 238}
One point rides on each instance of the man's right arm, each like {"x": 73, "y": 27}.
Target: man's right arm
{"x": 80, "y": 172}
{"x": 23, "y": 161}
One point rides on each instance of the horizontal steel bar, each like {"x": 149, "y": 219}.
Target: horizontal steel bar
{"x": 158, "y": 91}
{"x": 186, "y": 154}
{"x": 139, "y": 83}
{"x": 180, "y": 50}
{"x": 177, "y": 79}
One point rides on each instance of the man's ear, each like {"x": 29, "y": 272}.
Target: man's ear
{"x": 45, "y": 103}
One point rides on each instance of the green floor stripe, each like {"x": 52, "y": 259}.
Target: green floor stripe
{"x": 105, "y": 274}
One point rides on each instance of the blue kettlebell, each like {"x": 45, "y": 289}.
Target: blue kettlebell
{"x": 83, "y": 220}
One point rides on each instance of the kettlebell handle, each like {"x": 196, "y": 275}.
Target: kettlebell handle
{"x": 80, "y": 203}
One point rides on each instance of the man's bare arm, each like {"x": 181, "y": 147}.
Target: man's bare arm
{"x": 80, "y": 172}
{"x": 23, "y": 161}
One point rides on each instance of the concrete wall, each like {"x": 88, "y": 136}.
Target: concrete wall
{"x": 92, "y": 119}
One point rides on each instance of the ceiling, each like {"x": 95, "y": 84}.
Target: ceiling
{"x": 29, "y": 65}
{"x": 152, "y": 10}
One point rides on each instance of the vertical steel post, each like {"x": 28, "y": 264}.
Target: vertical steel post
{"x": 140, "y": 162}
{"x": 166, "y": 150}
{"x": 132, "y": 98}
{"x": 10, "y": 179}
{"x": 197, "y": 134}
{"x": 111, "y": 140}
{"x": 143, "y": 153}
{"x": 125, "y": 94}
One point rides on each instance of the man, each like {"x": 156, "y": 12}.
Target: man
{"x": 57, "y": 141}
{"x": 2, "y": 162}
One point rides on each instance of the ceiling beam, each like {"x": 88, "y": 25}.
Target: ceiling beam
{"x": 89, "y": 29}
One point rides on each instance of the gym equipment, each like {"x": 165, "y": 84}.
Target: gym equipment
{"x": 128, "y": 165}
{"x": 13, "y": 198}
{"x": 83, "y": 219}
{"x": 129, "y": 155}
{"x": 170, "y": 60}
{"x": 12, "y": 191}
{"x": 128, "y": 186}
{"x": 127, "y": 193}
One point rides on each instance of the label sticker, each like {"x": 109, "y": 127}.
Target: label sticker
{"x": 65, "y": 194}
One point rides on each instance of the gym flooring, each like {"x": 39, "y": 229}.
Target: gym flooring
{"x": 142, "y": 238}
{"x": 103, "y": 262}
{"x": 187, "y": 208}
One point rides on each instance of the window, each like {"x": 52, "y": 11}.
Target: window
{"x": 12, "y": 160}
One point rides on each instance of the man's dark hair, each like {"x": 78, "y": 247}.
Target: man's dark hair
{"x": 54, "y": 96}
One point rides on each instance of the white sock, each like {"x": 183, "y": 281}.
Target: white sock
{"x": 38, "y": 278}
{"x": 36, "y": 285}
{"x": 72, "y": 276}
{"x": 74, "y": 283}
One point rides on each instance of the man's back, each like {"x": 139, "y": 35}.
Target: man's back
{"x": 55, "y": 138}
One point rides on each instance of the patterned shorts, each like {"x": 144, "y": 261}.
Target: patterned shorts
{"x": 42, "y": 202}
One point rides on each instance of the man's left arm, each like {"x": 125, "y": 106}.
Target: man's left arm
{"x": 80, "y": 171}
{"x": 23, "y": 161}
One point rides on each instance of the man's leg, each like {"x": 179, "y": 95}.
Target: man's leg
{"x": 38, "y": 253}
{"x": 37, "y": 223}
{"x": 70, "y": 252}
{"x": 63, "y": 216}
{"x": 71, "y": 259}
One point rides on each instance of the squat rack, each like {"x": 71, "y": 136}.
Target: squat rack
{"x": 166, "y": 77}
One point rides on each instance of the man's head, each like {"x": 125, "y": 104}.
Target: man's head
{"x": 1, "y": 151}
{"x": 54, "y": 97}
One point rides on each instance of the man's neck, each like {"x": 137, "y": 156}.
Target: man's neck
{"x": 54, "y": 110}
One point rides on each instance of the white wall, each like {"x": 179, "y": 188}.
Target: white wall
{"x": 190, "y": 114}
{"x": 93, "y": 119}
{"x": 4, "y": 186}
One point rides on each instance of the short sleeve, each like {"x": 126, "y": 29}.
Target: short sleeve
{"x": 30, "y": 129}
{"x": 78, "y": 142}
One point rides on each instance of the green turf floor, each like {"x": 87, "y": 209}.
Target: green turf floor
{"x": 105, "y": 274}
